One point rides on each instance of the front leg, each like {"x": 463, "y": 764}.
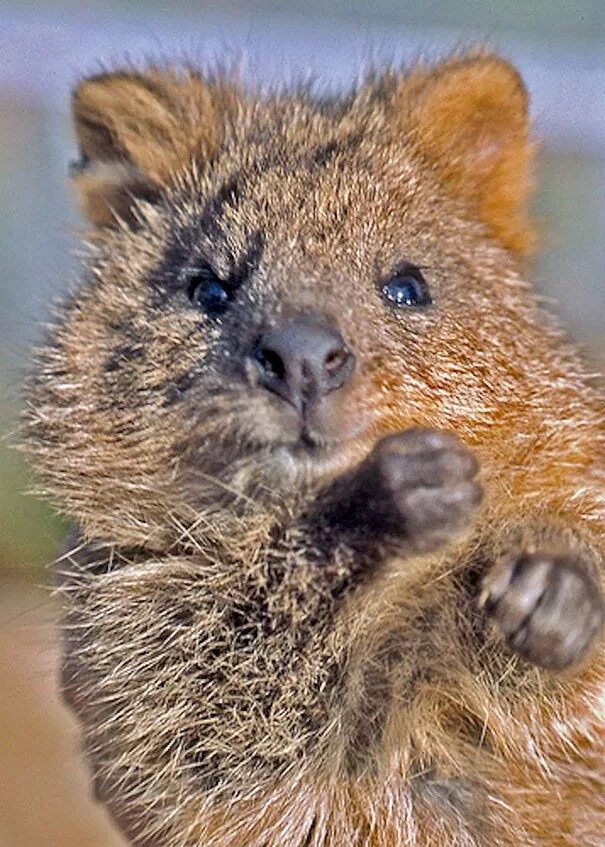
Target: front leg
{"x": 415, "y": 492}
{"x": 547, "y": 606}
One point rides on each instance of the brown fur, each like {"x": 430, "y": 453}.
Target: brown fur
{"x": 237, "y": 685}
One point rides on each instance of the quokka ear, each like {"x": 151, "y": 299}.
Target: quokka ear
{"x": 135, "y": 131}
{"x": 469, "y": 116}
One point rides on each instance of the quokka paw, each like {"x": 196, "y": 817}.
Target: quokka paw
{"x": 420, "y": 485}
{"x": 548, "y": 608}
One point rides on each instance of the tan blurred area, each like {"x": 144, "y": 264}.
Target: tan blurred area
{"x": 45, "y": 794}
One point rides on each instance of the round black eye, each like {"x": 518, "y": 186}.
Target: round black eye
{"x": 209, "y": 293}
{"x": 407, "y": 288}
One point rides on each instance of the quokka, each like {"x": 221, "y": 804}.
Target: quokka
{"x": 337, "y": 481}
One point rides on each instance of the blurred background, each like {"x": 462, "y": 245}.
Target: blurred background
{"x": 560, "y": 49}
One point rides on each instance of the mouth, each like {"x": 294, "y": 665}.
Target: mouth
{"x": 314, "y": 456}
{"x": 321, "y": 443}
{"x": 275, "y": 449}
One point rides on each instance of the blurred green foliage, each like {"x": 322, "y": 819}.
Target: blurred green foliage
{"x": 31, "y": 529}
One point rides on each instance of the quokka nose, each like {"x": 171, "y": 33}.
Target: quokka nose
{"x": 303, "y": 360}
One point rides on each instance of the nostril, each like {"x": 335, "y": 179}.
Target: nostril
{"x": 271, "y": 363}
{"x": 335, "y": 360}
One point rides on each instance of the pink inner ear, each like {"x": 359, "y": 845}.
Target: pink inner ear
{"x": 485, "y": 150}
{"x": 109, "y": 191}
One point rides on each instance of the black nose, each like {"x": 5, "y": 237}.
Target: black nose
{"x": 303, "y": 360}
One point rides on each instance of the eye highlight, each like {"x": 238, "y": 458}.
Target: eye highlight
{"x": 407, "y": 288}
{"x": 208, "y": 292}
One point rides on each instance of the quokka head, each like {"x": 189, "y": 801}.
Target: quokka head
{"x": 274, "y": 280}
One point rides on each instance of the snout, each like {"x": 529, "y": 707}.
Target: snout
{"x": 303, "y": 360}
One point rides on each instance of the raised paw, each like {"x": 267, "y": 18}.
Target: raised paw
{"x": 419, "y": 486}
{"x": 548, "y": 608}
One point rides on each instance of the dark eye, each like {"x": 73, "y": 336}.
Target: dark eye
{"x": 407, "y": 288}
{"x": 207, "y": 292}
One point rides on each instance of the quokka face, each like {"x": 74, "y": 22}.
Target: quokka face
{"x": 378, "y": 235}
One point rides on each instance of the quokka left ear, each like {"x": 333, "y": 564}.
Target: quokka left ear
{"x": 469, "y": 118}
{"x": 136, "y": 130}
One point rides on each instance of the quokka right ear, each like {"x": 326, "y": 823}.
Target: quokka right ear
{"x": 135, "y": 131}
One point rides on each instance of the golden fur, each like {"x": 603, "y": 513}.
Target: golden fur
{"x": 229, "y": 694}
